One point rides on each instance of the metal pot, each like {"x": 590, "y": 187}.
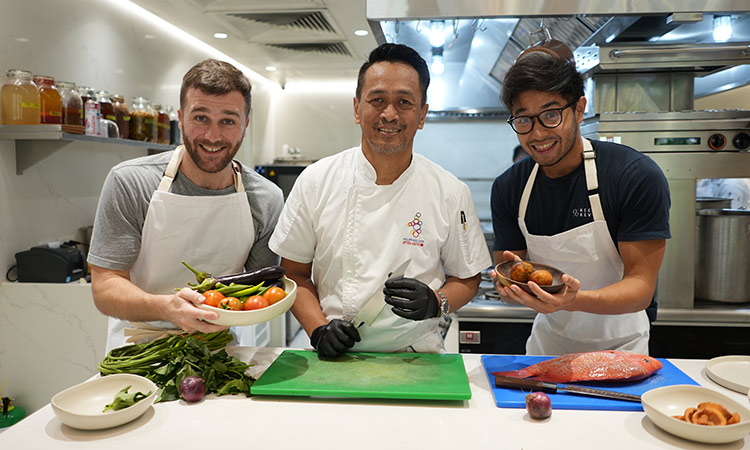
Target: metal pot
{"x": 722, "y": 264}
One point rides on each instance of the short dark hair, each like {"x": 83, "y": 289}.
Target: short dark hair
{"x": 217, "y": 78}
{"x": 396, "y": 53}
{"x": 539, "y": 71}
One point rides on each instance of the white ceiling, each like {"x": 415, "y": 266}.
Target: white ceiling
{"x": 260, "y": 34}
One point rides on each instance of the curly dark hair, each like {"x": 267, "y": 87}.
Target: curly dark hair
{"x": 217, "y": 78}
{"x": 396, "y": 53}
{"x": 539, "y": 71}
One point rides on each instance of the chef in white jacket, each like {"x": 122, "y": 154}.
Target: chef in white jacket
{"x": 353, "y": 217}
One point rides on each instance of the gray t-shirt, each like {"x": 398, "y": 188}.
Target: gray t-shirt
{"x": 125, "y": 197}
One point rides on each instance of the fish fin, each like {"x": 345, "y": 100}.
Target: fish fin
{"x": 521, "y": 373}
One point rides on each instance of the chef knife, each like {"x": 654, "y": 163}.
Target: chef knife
{"x": 552, "y": 388}
{"x": 375, "y": 304}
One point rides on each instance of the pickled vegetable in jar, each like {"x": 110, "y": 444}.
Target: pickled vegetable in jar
{"x": 19, "y": 99}
{"x": 122, "y": 115}
{"x": 72, "y": 104}
{"x": 142, "y": 120}
{"x": 105, "y": 106}
{"x": 175, "y": 137}
{"x": 50, "y": 100}
{"x": 162, "y": 124}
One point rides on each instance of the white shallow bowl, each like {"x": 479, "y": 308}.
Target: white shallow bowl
{"x": 732, "y": 372}
{"x": 242, "y": 318}
{"x": 662, "y": 403}
{"x": 82, "y": 405}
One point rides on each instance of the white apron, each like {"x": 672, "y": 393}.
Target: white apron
{"x": 588, "y": 254}
{"x": 211, "y": 233}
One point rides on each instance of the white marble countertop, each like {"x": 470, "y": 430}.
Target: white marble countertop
{"x": 304, "y": 423}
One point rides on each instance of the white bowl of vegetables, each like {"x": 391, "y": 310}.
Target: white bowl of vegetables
{"x": 84, "y": 406}
{"x": 234, "y": 318}
{"x": 246, "y": 298}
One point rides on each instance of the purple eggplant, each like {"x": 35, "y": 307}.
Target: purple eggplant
{"x": 270, "y": 274}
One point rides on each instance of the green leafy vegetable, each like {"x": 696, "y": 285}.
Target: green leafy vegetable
{"x": 167, "y": 361}
{"x": 123, "y": 399}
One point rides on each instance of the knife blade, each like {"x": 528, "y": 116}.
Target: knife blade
{"x": 552, "y": 388}
{"x": 376, "y": 303}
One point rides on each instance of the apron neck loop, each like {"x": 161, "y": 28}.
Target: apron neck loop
{"x": 174, "y": 164}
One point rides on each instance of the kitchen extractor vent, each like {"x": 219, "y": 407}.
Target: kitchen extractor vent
{"x": 327, "y": 48}
{"x": 312, "y": 21}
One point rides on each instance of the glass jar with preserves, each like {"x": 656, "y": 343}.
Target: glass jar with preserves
{"x": 122, "y": 115}
{"x": 49, "y": 99}
{"x": 142, "y": 120}
{"x": 162, "y": 124}
{"x": 72, "y": 104}
{"x": 175, "y": 137}
{"x": 19, "y": 99}
{"x": 106, "y": 106}
{"x": 84, "y": 91}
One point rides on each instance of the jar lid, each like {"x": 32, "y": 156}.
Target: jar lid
{"x": 66, "y": 84}
{"x": 18, "y": 73}
{"x": 44, "y": 77}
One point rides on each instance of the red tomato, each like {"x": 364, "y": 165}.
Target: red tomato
{"x": 231, "y": 303}
{"x": 213, "y": 298}
{"x": 274, "y": 294}
{"x": 255, "y": 302}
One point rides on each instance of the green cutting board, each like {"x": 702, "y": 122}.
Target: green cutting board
{"x": 424, "y": 376}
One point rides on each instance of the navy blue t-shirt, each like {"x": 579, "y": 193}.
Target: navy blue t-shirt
{"x": 632, "y": 188}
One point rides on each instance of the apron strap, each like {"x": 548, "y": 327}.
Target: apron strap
{"x": 174, "y": 164}
{"x": 527, "y": 192}
{"x": 592, "y": 182}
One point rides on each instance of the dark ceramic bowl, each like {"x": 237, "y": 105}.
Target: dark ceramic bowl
{"x": 503, "y": 274}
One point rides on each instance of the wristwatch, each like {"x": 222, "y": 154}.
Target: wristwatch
{"x": 445, "y": 306}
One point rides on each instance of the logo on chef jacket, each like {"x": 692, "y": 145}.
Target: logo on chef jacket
{"x": 581, "y": 212}
{"x": 415, "y": 230}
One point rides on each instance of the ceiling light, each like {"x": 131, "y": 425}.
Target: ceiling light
{"x": 437, "y": 33}
{"x": 271, "y": 68}
{"x": 361, "y": 32}
{"x": 221, "y": 35}
{"x": 722, "y": 28}
{"x": 437, "y": 67}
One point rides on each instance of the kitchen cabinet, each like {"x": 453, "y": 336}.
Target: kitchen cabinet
{"x": 36, "y": 142}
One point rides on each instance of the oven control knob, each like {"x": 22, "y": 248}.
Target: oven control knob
{"x": 741, "y": 141}
{"x": 717, "y": 141}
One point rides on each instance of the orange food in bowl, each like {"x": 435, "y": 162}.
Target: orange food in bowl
{"x": 541, "y": 277}
{"x": 521, "y": 271}
{"x": 709, "y": 413}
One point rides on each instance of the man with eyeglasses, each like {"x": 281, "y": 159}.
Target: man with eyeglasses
{"x": 598, "y": 211}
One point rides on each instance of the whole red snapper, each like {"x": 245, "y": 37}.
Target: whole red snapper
{"x": 590, "y": 366}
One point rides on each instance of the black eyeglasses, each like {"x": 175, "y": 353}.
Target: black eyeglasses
{"x": 549, "y": 118}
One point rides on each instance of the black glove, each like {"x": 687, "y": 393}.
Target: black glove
{"x": 410, "y": 298}
{"x": 334, "y": 338}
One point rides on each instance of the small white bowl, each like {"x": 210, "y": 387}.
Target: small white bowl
{"x": 662, "y": 403}
{"x": 241, "y": 318}
{"x": 82, "y": 406}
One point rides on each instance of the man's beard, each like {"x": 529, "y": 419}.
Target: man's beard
{"x": 195, "y": 155}
{"x": 571, "y": 142}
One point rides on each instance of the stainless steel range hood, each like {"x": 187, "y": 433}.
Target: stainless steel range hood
{"x": 481, "y": 39}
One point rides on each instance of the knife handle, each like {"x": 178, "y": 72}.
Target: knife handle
{"x": 524, "y": 383}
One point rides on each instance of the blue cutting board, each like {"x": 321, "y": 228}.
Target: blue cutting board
{"x": 516, "y": 398}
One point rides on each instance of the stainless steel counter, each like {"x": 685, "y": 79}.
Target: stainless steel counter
{"x": 485, "y": 309}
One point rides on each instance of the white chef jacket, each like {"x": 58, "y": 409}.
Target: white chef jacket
{"x": 355, "y": 232}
